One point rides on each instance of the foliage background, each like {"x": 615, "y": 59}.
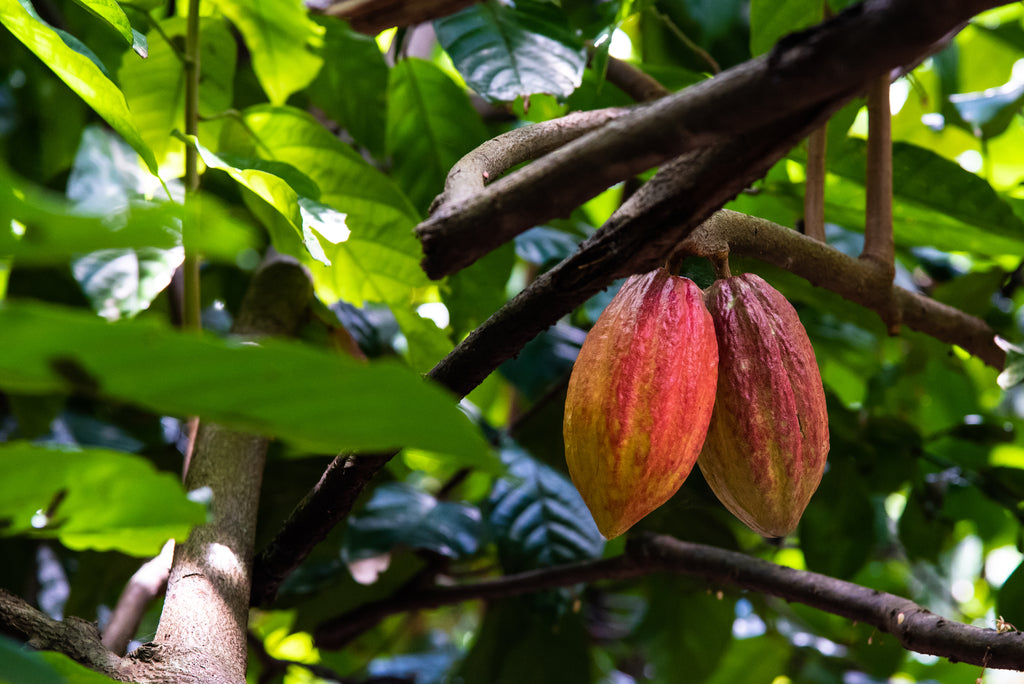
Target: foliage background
{"x": 329, "y": 146}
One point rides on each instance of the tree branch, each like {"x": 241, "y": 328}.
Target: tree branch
{"x": 373, "y": 16}
{"x": 852, "y": 279}
{"x": 825, "y": 64}
{"x": 144, "y": 586}
{"x": 915, "y": 627}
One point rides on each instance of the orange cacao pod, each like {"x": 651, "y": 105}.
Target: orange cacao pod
{"x": 766, "y": 448}
{"x": 640, "y": 399}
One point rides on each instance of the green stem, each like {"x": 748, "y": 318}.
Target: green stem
{"x": 191, "y": 307}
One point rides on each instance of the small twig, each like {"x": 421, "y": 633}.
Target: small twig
{"x": 145, "y": 585}
{"x": 700, "y": 52}
{"x": 814, "y": 185}
{"x": 878, "y": 237}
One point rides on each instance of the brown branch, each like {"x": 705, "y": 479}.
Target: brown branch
{"x": 145, "y": 585}
{"x": 915, "y": 627}
{"x": 74, "y": 637}
{"x": 634, "y": 82}
{"x": 496, "y": 156}
{"x": 814, "y": 185}
{"x": 805, "y": 70}
{"x": 203, "y": 626}
{"x": 373, "y": 16}
{"x": 850, "y": 278}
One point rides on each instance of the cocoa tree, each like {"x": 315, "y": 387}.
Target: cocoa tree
{"x": 240, "y": 234}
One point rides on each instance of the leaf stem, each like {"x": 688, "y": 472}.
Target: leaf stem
{"x": 878, "y": 239}
{"x": 191, "y": 314}
{"x": 814, "y": 185}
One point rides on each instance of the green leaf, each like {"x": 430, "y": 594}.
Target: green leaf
{"x": 1013, "y": 372}
{"x": 936, "y": 203}
{"x": 110, "y": 12}
{"x": 352, "y": 86}
{"x": 79, "y": 72}
{"x": 51, "y": 492}
{"x": 319, "y": 401}
{"x": 155, "y": 88}
{"x": 1010, "y": 600}
{"x": 686, "y": 632}
{"x": 291, "y": 193}
{"x": 380, "y": 260}
{"x": 283, "y": 41}
{"x": 21, "y": 665}
{"x": 431, "y": 125}
{"x": 72, "y": 672}
{"x": 538, "y": 517}
{"x": 505, "y": 52}
{"x": 400, "y": 515}
{"x": 474, "y": 293}
{"x": 123, "y": 282}
{"x": 773, "y": 19}
{"x": 837, "y": 531}
{"x": 516, "y": 644}
{"x": 753, "y": 661}
{"x": 989, "y": 113}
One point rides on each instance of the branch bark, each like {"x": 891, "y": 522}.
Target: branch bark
{"x": 852, "y": 279}
{"x": 825, "y": 64}
{"x": 373, "y": 16}
{"x": 916, "y": 628}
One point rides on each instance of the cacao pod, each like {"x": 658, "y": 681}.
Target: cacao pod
{"x": 640, "y": 399}
{"x": 766, "y": 448}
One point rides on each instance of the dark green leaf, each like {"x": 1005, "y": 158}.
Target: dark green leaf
{"x": 772, "y": 19}
{"x": 400, "y": 515}
{"x": 753, "y": 661}
{"x": 538, "y": 517}
{"x": 517, "y": 645}
{"x": 686, "y": 632}
{"x": 332, "y": 403}
{"x": 20, "y": 665}
{"x": 476, "y": 292}
{"x": 989, "y": 113}
{"x": 837, "y": 531}
{"x": 505, "y": 52}
{"x": 110, "y": 12}
{"x": 1010, "y": 600}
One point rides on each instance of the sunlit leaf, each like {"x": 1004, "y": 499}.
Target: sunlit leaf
{"x": 79, "y": 72}
{"x": 352, "y": 86}
{"x": 52, "y": 492}
{"x": 283, "y": 41}
{"x": 504, "y": 52}
{"x": 110, "y": 12}
{"x": 333, "y": 403}
{"x": 155, "y": 87}
{"x": 770, "y": 20}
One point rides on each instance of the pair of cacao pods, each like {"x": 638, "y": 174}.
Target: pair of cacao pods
{"x": 670, "y": 376}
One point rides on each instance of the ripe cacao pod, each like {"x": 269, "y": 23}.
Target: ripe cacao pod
{"x": 640, "y": 399}
{"x": 766, "y": 448}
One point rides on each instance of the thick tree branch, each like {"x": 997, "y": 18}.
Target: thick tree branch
{"x": 202, "y": 629}
{"x": 76, "y": 638}
{"x": 915, "y": 627}
{"x": 825, "y": 64}
{"x": 853, "y": 279}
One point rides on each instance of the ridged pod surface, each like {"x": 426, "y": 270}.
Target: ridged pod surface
{"x": 766, "y": 448}
{"x": 640, "y": 399}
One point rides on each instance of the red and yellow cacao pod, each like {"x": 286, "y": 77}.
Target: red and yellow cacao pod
{"x": 640, "y": 399}
{"x": 766, "y": 448}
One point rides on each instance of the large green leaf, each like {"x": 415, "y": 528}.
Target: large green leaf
{"x": 538, "y": 517}
{"x": 687, "y": 631}
{"x": 753, "y": 661}
{"x": 517, "y": 644}
{"x": 80, "y": 73}
{"x": 283, "y": 41}
{"x": 72, "y": 672}
{"x": 837, "y": 531}
{"x": 155, "y": 88}
{"x": 400, "y": 515}
{"x": 320, "y": 401}
{"x": 54, "y": 492}
{"x": 19, "y": 665}
{"x": 379, "y": 262}
{"x": 505, "y": 52}
{"x": 772, "y": 19}
{"x": 352, "y": 86}
{"x": 431, "y": 125}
